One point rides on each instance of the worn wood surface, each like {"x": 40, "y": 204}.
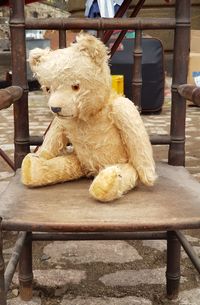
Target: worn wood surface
{"x": 174, "y": 202}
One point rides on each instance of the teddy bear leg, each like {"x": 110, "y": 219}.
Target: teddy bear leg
{"x": 37, "y": 171}
{"x": 113, "y": 181}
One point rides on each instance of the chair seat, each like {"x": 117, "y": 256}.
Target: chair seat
{"x": 173, "y": 203}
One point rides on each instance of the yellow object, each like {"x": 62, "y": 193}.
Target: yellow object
{"x": 118, "y": 83}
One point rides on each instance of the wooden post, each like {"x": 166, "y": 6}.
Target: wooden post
{"x": 2, "y": 280}
{"x": 180, "y": 69}
{"x": 137, "y": 70}
{"x": 19, "y": 78}
{"x": 25, "y": 269}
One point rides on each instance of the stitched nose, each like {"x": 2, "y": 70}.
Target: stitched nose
{"x": 56, "y": 109}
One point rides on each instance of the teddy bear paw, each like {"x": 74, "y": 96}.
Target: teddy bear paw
{"x": 28, "y": 164}
{"x": 106, "y": 186}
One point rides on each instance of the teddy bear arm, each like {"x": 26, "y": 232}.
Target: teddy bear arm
{"x": 38, "y": 171}
{"x": 135, "y": 138}
{"x": 55, "y": 141}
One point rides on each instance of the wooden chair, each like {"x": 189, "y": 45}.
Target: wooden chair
{"x": 65, "y": 211}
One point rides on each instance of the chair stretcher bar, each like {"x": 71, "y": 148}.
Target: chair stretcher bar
{"x": 189, "y": 250}
{"x": 99, "y": 24}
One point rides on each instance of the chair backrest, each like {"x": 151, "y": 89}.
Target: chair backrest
{"x": 181, "y": 26}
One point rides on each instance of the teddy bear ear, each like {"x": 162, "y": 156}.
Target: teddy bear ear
{"x": 93, "y": 47}
{"x": 37, "y": 55}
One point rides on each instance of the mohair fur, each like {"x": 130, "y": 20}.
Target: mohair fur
{"x": 106, "y": 131}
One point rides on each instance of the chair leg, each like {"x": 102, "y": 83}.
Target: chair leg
{"x": 25, "y": 270}
{"x": 2, "y": 280}
{"x": 173, "y": 265}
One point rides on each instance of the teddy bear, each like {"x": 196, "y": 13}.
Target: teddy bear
{"x": 104, "y": 131}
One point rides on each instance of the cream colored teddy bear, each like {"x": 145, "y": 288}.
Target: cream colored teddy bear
{"x": 105, "y": 130}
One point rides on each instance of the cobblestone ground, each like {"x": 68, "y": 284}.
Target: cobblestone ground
{"x": 104, "y": 272}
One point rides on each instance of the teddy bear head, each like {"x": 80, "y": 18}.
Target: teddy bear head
{"x": 77, "y": 78}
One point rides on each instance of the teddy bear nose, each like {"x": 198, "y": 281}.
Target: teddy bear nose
{"x": 56, "y": 109}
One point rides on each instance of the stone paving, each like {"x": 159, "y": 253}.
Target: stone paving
{"x": 104, "y": 272}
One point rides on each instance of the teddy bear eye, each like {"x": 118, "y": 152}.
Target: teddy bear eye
{"x": 48, "y": 89}
{"x": 75, "y": 87}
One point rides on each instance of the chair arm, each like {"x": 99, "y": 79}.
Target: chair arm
{"x": 9, "y": 96}
{"x": 190, "y": 92}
